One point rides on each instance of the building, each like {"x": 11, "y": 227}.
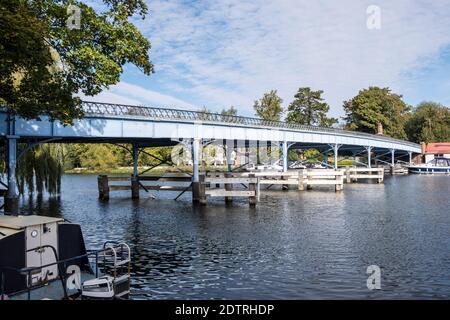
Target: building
{"x": 433, "y": 150}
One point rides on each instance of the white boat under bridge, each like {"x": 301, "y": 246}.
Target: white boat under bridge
{"x": 148, "y": 126}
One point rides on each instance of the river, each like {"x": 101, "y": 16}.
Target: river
{"x": 294, "y": 245}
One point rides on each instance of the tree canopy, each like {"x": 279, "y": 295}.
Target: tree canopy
{"x": 308, "y": 108}
{"x": 269, "y": 106}
{"x": 429, "y": 122}
{"x": 231, "y": 111}
{"x": 44, "y": 63}
{"x": 374, "y": 106}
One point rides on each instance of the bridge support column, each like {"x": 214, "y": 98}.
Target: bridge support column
{"x": 285, "y": 156}
{"x": 12, "y": 196}
{"x": 135, "y": 176}
{"x": 195, "y": 170}
{"x": 392, "y": 161}
{"x": 369, "y": 156}
{"x": 229, "y": 146}
{"x": 285, "y": 149}
{"x": 335, "y": 150}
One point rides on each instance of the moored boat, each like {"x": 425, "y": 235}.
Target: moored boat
{"x": 45, "y": 258}
{"x": 439, "y": 165}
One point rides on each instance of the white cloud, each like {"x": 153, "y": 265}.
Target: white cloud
{"x": 126, "y": 93}
{"x": 229, "y": 52}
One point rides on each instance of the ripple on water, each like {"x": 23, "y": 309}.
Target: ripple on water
{"x": 313, "y": 244}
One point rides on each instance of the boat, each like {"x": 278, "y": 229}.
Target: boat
{"x": 439, "y": 165}
{"x": 45, "y": 258}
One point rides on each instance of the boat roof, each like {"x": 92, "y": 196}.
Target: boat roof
{"x": 20, "y": 222}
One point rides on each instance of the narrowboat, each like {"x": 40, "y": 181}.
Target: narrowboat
{"x": 44, "y": 258}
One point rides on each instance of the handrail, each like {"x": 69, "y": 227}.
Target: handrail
{"x": 28, "y": 270}
{"x": 102, "y": 109}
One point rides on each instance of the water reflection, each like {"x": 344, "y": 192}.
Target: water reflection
{"x": 313, "y": 244}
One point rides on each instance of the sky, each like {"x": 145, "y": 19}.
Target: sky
{"x": 219, "y": 53}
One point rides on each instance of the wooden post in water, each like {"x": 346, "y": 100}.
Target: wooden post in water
{"x": 202, "y": 189}
{"x": 228, "y": 186}
{"x": 380, "y": 172}
{"x": 134, "y": 187}
{"x": 339, "y": 182}
{"x": 103, "y": 187}
{"x": 252, "y": 187}
{"x": 301, "y": 186}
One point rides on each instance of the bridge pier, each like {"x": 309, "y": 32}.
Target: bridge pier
{"x": 12, "y": 196}
{"x": 335, "y": 151}
{"x": 285, "y": 148}
{"x": 369, "y": 156}
{"x": 135, "y": 176}
{"x": 195, "y": 170}
{"x": 229, "y": 146}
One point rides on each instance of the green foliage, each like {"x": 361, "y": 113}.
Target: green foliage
{"x": 269, "y": 106}
{"x": 40, "y": 169}
{"x": 308, "y": 108}
{"x": 43, "y": 63}
{"x": 232, "y": 111}
{"x": 429, "y": 122}
{"x": 97, "y": 157}
{"x": 312, "y": 155}
{"x": 373, "y": 106}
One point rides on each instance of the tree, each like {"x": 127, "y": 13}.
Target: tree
{"x": 374, "y": 106}
{"x": 429, "y": 122}
{"x": 44, "y": 63}
{"x": 232, "y": 111}
{"x": 308, "y": 108}
{"x": 269, "y": 106}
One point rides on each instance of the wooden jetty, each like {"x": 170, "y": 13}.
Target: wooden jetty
{"x": 302, "y": 178}
{"x": 232, "y": 184}
{"x": 352, "y": 174}
{"x": 136, "y": 183}
{"x": 223, "y": 185}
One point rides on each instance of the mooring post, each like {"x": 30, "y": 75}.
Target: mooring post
{"x": 195, "y": 170}
{"x": 228, "y": 186}
{"x": 339, "y": 181}
{"x": 12, "y": 197}
{"x": 347, "y": 175}
{"x": 202, "y": 189}
{"x": 301, "y": 186}
{"x": 135, "y": 176}
{"x": 252, "y": 187}
{"x": 103, "y": 187}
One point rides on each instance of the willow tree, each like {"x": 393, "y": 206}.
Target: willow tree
{"x": 40, "y": 170}
{"x": 48, "y": 56}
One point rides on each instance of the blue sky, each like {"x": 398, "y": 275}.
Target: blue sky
{"x": 229, "y": 52}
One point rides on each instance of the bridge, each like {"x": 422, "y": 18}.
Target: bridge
{"x": 148, "y": 126}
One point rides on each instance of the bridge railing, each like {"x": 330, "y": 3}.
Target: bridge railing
{"x": 121, "y": 110}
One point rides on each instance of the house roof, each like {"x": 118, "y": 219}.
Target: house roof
{"x": 439, "y": 147}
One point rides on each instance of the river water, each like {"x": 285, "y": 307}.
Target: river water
{"x": 294, "y": 245}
